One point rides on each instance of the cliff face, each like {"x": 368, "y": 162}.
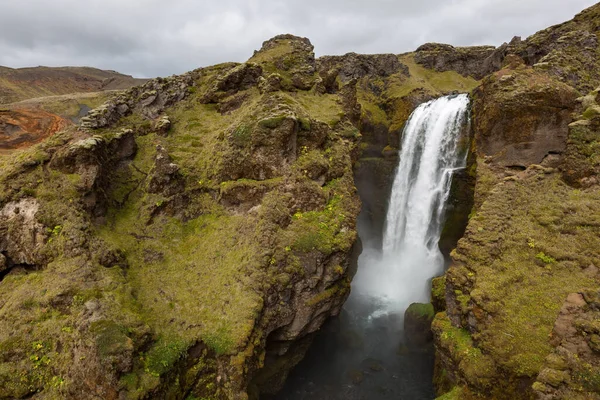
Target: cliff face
{"x": 520, "y": 293}
{"x": 193, "y": 220}
{"x": 191, "y": 234}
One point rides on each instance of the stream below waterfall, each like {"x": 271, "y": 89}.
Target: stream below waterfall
{"x": 362, "y": 354}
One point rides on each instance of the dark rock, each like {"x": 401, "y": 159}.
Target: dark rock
{"x": 521, "y": 116}
{"x": 239, "y": 78}
{"x": 165, "y": 177}
{"x": 355, "y": 66}
{"x": 350, "y": 102}
{"x": 417, "y": 323}
{"x": 477, "y": 61}
{"x": 149, "y": 99}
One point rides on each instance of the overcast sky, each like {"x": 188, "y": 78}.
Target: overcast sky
{"x": 148, "y": 38}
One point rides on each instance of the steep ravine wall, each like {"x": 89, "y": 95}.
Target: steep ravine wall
{"x": 191, "y": 235}
{"x": 520, "y": 292}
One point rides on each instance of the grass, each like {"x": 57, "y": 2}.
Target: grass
{"x": 163, "y": 272}
{"x": 325, "y": 108}
{"x": 522, "y": 259}
{"x": 430, "y": 80}
{"x": 388, "y": 101}
{"x": 283, "y": 48}
{"x": 180, "y": 292}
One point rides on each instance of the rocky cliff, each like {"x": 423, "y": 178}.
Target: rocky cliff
{"x": 189, "y": 236}
{"x": 192, "y": 228}
{"x": 520, "y": 293}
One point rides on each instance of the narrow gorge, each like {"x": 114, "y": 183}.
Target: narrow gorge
{"x": 420, "y": 225}
{"x": 366, "y": 354}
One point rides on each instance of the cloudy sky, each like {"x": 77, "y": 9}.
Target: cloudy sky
{"x": 149, "y": 38}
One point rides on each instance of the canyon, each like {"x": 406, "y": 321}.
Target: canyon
{"x": 188, "y": 237}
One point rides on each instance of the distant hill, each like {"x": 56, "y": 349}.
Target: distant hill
{"x": 25, "y": 83}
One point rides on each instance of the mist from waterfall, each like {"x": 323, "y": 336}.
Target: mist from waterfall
{"x": 399, "y": 273}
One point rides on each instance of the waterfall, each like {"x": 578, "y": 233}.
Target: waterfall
{"x": 399, "y": 273}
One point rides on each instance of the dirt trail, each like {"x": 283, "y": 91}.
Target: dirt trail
{"x": 20, "y": 128}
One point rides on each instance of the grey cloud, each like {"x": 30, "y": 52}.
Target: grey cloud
{"x": 158, "y": 37}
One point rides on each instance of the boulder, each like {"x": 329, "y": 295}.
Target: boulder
{"x": 417, "y": 323}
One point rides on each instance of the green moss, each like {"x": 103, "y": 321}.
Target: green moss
{"x": 591, "y": 112}
{"x": 438, "y": 293}
{"x": 325, "y": 108}
{"x": 164, "y": 354}
{"x": 283, "y": 48}
{"x": 544, "y": 258}
{"x": 477, "y": 368}
{"x": 335, "y": 291}
{"x": 455, "y": 394}
{"x": 305, "y": 124}
{"x": 421, "y": 310}
{"x": 111, "y": 338}
{"x": 164, "y": 288}
{"x": 586, "y": 377}
{"x": 504, "y": 240}
{"x": 322, "y": 230}
{"x": 435, "y": 82}
{"x": 273, "y": 122}
{"x": 241, "y": 135}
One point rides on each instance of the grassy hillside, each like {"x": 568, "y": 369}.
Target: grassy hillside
{"x": 25, "y": 83}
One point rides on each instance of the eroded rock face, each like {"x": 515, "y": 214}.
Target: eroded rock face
{"x": 477, "y": 62}
{"x": 417, "y": 324}
{"x": 22, "y": 235}
{"x": 355, "y": 66}
{"x": 522, "y": 116}
{"x": 580, "y": 167}
{"x": 165, "y": 177}
{"x": 149, "y": 100}
{"x": 231, "y": 224}
{"x": 570, "y": 371}
{"x": 513, "y": 269}
{"x": 290, "y": 56}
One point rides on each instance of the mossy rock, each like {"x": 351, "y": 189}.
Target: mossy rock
{"x": 417, "y": 323}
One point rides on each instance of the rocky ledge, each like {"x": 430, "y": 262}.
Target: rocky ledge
{"x": 181, "y": 240}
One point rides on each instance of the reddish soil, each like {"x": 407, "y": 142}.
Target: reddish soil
{"x": 21, "y": 128}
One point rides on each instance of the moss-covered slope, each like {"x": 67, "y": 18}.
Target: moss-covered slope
{"x": 152, "y": 254}
{"x": 520, "y": 291}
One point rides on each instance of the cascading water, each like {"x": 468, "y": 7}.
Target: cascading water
{"x": 360, "y": 355}
{"x": 399, "y": 274}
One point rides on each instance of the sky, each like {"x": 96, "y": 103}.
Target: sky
{"x": 148, "y": 38}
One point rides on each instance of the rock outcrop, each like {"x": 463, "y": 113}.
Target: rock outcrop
{"x": 477, "y": 62}
{"x": 190, "y": 236}
{"x": 530, "y": 244}
{"x": 185, "y": 247}
{"x": 522, "y": 116}
{"x": 417, "y": 324}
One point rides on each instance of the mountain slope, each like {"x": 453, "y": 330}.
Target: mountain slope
{"x": 25, "y": 83}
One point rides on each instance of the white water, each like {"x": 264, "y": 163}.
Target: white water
{"x": 399, "y": 273}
